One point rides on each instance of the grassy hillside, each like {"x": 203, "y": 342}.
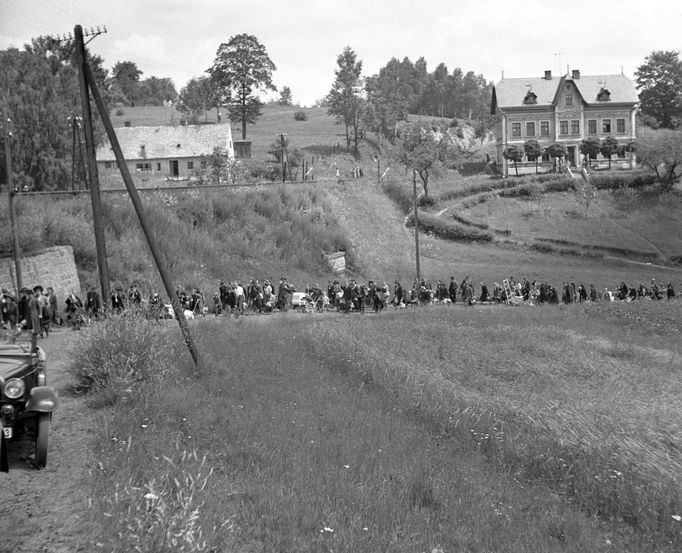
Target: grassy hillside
{"x": 207, "y": 235}
{"x": 511, "y": 430}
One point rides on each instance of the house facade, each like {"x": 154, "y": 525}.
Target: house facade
{"x": 173, "y": 152}
{"x": 564, "y": 110}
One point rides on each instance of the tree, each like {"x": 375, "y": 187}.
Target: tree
{"x": 39, "y": 87}
{"x": 197, "y": 97}
{"x": 556, "y": 151}
{"x": 216, "y": 164}
{"x": 514, "y": 154}
{"x": 242, "y": 67}
{"x": 662, "y": 152}
{"x": 586, "y": 192}
{"x": 126, "y": 76}
{"x": 420, "y": 148}
{"x": 344, "y": 100}
{"x": 589, "y": 148}
{"x": 659, "y": 80}
{"x": 156, "y": 91}
{"x": 608, "y": 147}
{"x": 285, "y": 97}
{"x": 533, "y": 151}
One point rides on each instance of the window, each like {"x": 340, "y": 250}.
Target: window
{"x": 143, "y": 167}
{"x": 569, "y": 100}
{"x": 604, "y": 95}
{"x": 575, "y": 126}
{"x": 591, "y": 126}
{"x": 158, "y": 166}
{"x": 606, "y": 126}
{"x": 531, "y": 98}
{"x": 563, "y": 127}
{"x": 516, "y": 129}
{"x": 190, "y": 165}
{"x": 544, "y": 128}
{"x": 620, "y": 125}
{"x": 530, "y": 128}
{"x": 107, "y": 164}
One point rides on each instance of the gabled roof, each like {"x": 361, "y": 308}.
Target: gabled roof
{"x": 511, "y": 92}
{"x": 168, "y": 142}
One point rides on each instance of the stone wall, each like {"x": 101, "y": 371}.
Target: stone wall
{"x": 53, "y": 267}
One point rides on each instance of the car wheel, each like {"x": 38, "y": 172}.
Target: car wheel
{"x": 42, "y": 439}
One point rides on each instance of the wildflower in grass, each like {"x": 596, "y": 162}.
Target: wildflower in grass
{"x": 678, "y": 518}
{"x": 326, "y": 529}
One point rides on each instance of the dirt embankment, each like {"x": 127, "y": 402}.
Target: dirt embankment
{"x": 42, "y": 510}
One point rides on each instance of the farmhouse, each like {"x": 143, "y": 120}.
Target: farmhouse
{"x": 168, "y": 151}
{"x": 565, "y": 110}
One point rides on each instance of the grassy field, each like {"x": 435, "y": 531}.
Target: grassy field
{"x": 620, "y": 219}
{"x": 445, "y": 428}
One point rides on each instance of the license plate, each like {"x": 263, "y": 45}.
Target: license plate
{"x": 7, "y": 431}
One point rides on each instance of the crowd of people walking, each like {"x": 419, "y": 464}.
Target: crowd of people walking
{"x": 38, "y": 309}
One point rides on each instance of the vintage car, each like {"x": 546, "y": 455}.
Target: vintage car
{"x": 26, "y": 402}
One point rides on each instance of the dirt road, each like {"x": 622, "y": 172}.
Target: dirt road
{"x": 42, "y": 510}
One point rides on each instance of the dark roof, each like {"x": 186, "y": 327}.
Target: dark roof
{"x": 511, "y": 92}
{"x": 168, "y": 141}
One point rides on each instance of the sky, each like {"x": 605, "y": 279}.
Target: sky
{"x": 514, "y": 38}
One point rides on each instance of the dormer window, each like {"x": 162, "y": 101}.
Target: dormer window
{"x": 531, "y": 98}
{"x": 604, "y": 95}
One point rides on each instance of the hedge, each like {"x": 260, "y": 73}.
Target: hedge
{"x": 450, "y": 230}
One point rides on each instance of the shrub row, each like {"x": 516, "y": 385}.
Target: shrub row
{"x": 450, "y": 230}
{"x": 609, "y": 249}
{"x": 404, "y": 196}
{"x": 613, "y": 181}
{"x": 468, "y": 223}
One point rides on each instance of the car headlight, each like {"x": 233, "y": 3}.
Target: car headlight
{"x": 14, "y": 388}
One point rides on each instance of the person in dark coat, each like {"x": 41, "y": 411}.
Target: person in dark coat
{"x": 452, "y": 290}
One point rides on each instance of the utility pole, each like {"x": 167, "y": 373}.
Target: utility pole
{"x": 282, "y": 136}
{"x": 11, "y": 193}
{"x": 416, "y": 222}
{"x": 91, "y": 168}
{"x": 139, "y": 209}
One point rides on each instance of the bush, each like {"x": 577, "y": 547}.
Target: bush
{"x": 300, "y": 115}
{"x": 613, "y": 181}
{"x": 399, "y": 194}
{"x": 121, "y": 352}
{"x": 450, "y": 230}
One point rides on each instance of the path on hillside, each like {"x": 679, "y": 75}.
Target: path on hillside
{"x": 41, "y": 510}
{"x": 384, "y": 246}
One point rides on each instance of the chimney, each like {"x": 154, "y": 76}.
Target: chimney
{"x": 548, "y": 75}
{"x": 575, "y": 74}
{"x": 143, "y": 151}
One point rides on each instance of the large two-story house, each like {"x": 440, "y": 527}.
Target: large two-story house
{"x": 565, "y": 110}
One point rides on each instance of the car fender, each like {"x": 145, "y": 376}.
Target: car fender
{"x": 43, "y": 400}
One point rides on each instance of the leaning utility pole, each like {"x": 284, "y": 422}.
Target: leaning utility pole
{"x": 139, "y": 209}
{"x": 11, "y": 192}
{"x": 91, "y": 169}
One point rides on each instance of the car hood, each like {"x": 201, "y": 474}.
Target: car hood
{"x": 13, "y": 357}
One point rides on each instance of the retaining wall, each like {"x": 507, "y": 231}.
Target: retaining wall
{"x": 53, "y": 267}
